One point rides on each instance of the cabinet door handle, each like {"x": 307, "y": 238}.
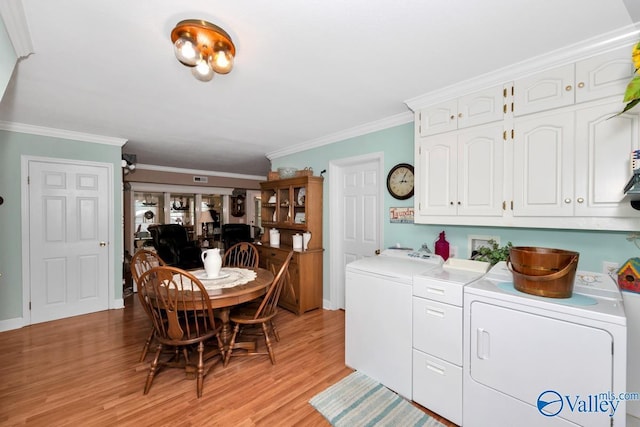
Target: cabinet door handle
{"x": 437, "y": 291}
{"x": 581, "y": 85}
{"x": 438, "y": 370}
{"x": 452, "y": 117}
{"x": 431, "y": 311}
{"x": 460, "y": 115}
{"x": 568, "y": 88}
{"x": 567, "y": 200}
{"x": 482, "y": 344}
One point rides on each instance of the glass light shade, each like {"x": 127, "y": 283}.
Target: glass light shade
{"x": 202, "y": 71}
{"x": 186, "y": 51}
{"x": 221, "y": 61}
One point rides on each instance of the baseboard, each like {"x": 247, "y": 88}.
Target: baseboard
{"x": 116, "y": 304}
{"x": 11, "y": 324}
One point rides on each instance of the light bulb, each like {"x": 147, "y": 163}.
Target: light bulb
{"x": 221, "y": 61}
{"x": 186, "y": 50}
{"x": 202, "y": 71}
{"x": 124, "y": 163}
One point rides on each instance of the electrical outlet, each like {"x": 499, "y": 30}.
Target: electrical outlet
{"x": 610, "y": 268}
{"x": 453, "y": 252}
{"x": 474, "y": 242}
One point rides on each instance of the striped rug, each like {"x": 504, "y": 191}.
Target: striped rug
{"x": 357, "y": 401}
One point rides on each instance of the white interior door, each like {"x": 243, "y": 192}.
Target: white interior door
{"x": 355, "y": 218}
{"x": 68, "y": 239}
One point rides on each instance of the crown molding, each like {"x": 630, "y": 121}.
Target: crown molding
{"x": 200, "y": 172}
{"x": 572, "y": 53}
{"x": 60, "y": 133}
{"x": 15, "y": 22}
{"x": 389, "y": 122}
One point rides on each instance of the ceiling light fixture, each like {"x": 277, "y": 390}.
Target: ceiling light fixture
{"x": 204, "y": 47}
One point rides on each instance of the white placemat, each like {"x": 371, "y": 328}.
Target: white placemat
{"x": 236, "y": 276}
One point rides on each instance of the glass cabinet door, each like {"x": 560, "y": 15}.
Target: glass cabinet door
{"x": 299, "y": 197}
{"x": 284, "y": 205}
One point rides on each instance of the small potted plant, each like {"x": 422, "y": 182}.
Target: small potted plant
{"x": 492, "y": 253}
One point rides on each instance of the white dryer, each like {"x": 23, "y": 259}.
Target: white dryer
{"x": 532, "y": 361}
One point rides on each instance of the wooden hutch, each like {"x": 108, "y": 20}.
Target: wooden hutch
{"x": 294, "y": 206}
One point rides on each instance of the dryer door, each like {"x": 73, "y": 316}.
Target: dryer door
{"x": 522, "y": 355}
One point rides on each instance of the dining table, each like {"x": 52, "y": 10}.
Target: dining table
{"x": 234, "y": 286}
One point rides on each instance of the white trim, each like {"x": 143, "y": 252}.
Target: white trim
{"x": 199, "y": 172}
{"x": 167, "y": 188}
{"x": 25, "y": 209}
{"x": 15, "y": 22}
{"x": 11, "y": 324}
{"x": 590, "y": 47}
{"x": 335, "y": 216}
{"x": 388, "y": 122}
{"x": 60, "y": 133}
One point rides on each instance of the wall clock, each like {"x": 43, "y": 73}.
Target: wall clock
{"x": 400, "y": 181}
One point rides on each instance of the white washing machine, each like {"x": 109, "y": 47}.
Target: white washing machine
{"x": 532, "y": 361}
{"x": 378, "y": 320}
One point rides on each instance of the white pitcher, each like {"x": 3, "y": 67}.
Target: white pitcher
{"x": 212, "y": 262}
{"x": 306, "y": 236}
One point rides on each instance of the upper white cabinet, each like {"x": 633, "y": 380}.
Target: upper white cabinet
{"x": 460, "y": 173}
{"x": 543, "y": 158}
{"x": 574, "y": 162}
{"x": 477, "y": 108}
{"x": 602, "y": 167}
{"x": 593, "y": 78}
{"x": 555, "y": 154}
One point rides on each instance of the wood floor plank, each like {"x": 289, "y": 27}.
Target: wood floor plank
{"x": 85, "y": 371}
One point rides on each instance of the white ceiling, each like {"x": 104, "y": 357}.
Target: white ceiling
{"x": 304, "y": 70}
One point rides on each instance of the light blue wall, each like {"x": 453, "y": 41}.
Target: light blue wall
{"x": 397, "y": 145}
{"x": 8, "y": 58}
{"x": 12, "y": 146}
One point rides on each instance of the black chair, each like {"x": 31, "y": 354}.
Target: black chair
{"x": 174, "y": 247}
{"x": 235, "y": 233}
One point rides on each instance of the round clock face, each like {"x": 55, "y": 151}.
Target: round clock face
{"x": 400, "y": 181}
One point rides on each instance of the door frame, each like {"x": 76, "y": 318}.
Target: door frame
{"x": 336, "y": 250}
{"x": 25, "y": 227}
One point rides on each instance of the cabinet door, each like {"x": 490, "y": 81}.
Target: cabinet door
{"x": 284, "y": 206}
{"x": 603, "y": 146}
{"x": 436, "y": 184}
{"x": 290, "y": 295}
{"x": 480, "y": 171}
{"x": 439, "y": 118}
{"x": 543, "y": 165}
{"x": 544, "y": 91}
{"x": 604, "y": 75}
{"x": 481, "y": 107}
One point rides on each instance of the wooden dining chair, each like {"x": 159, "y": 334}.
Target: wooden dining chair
{"x": 182, "y": 316}
{"x": 260, "y": 315}
{"x": 242, "y": 254}
{"x": 142, "y": 261}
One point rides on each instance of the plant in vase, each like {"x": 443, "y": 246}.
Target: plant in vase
{"x": 492, "y": 253}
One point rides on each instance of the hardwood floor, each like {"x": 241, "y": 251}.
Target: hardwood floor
{"x": 84, "y": 371}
